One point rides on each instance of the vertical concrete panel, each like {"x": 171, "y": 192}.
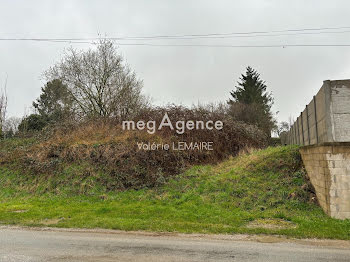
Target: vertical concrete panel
{"x": 340, "y": 110}
{"x": 328, "y": 109}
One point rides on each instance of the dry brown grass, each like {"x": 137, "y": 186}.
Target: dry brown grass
{"x": 113, "y": 151}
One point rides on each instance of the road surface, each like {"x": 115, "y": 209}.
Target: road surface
{"x": 28, "y": 244}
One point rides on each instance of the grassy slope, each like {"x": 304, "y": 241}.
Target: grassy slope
{"x": 265, "y": 187}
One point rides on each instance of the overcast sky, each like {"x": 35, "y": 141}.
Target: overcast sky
{"x": 184, "y": 75}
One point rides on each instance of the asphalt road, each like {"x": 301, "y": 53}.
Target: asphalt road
{"x": 18, "y": 244}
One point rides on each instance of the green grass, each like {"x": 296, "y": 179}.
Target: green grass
{"x": 264, "y": 186}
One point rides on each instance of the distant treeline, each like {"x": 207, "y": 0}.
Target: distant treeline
{"x": 98, "y": 84}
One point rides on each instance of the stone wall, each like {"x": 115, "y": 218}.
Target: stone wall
{"x": 328, "y": 167}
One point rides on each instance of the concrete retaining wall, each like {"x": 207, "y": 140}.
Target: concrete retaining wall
{"x": 323, "y": 130}
{"x": 326, "y": 118}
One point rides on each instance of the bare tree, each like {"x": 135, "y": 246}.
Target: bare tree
{"x": 291, "y": 121}
{"x": 281, "y": 127}
{"x": 99, "y": 81}
{"x": 10, "y": 125}
{"x": 3, "y": 108}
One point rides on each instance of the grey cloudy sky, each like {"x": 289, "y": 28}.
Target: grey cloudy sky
{"x": 181, "y": 74}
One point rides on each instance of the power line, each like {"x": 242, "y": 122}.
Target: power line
{"x": 237, "y": 46}
{"x": 238, "y": 34}
{"x": 199, "y": 45}
{"x": 232, "y": 36}
{"x": 302, "y": 31}
{"x": 287, "y": 32}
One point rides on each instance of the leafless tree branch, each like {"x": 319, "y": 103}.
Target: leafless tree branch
{"x": 99, "y": 81}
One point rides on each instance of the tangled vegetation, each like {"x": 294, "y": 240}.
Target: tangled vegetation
{"x": 102, "y": 147}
